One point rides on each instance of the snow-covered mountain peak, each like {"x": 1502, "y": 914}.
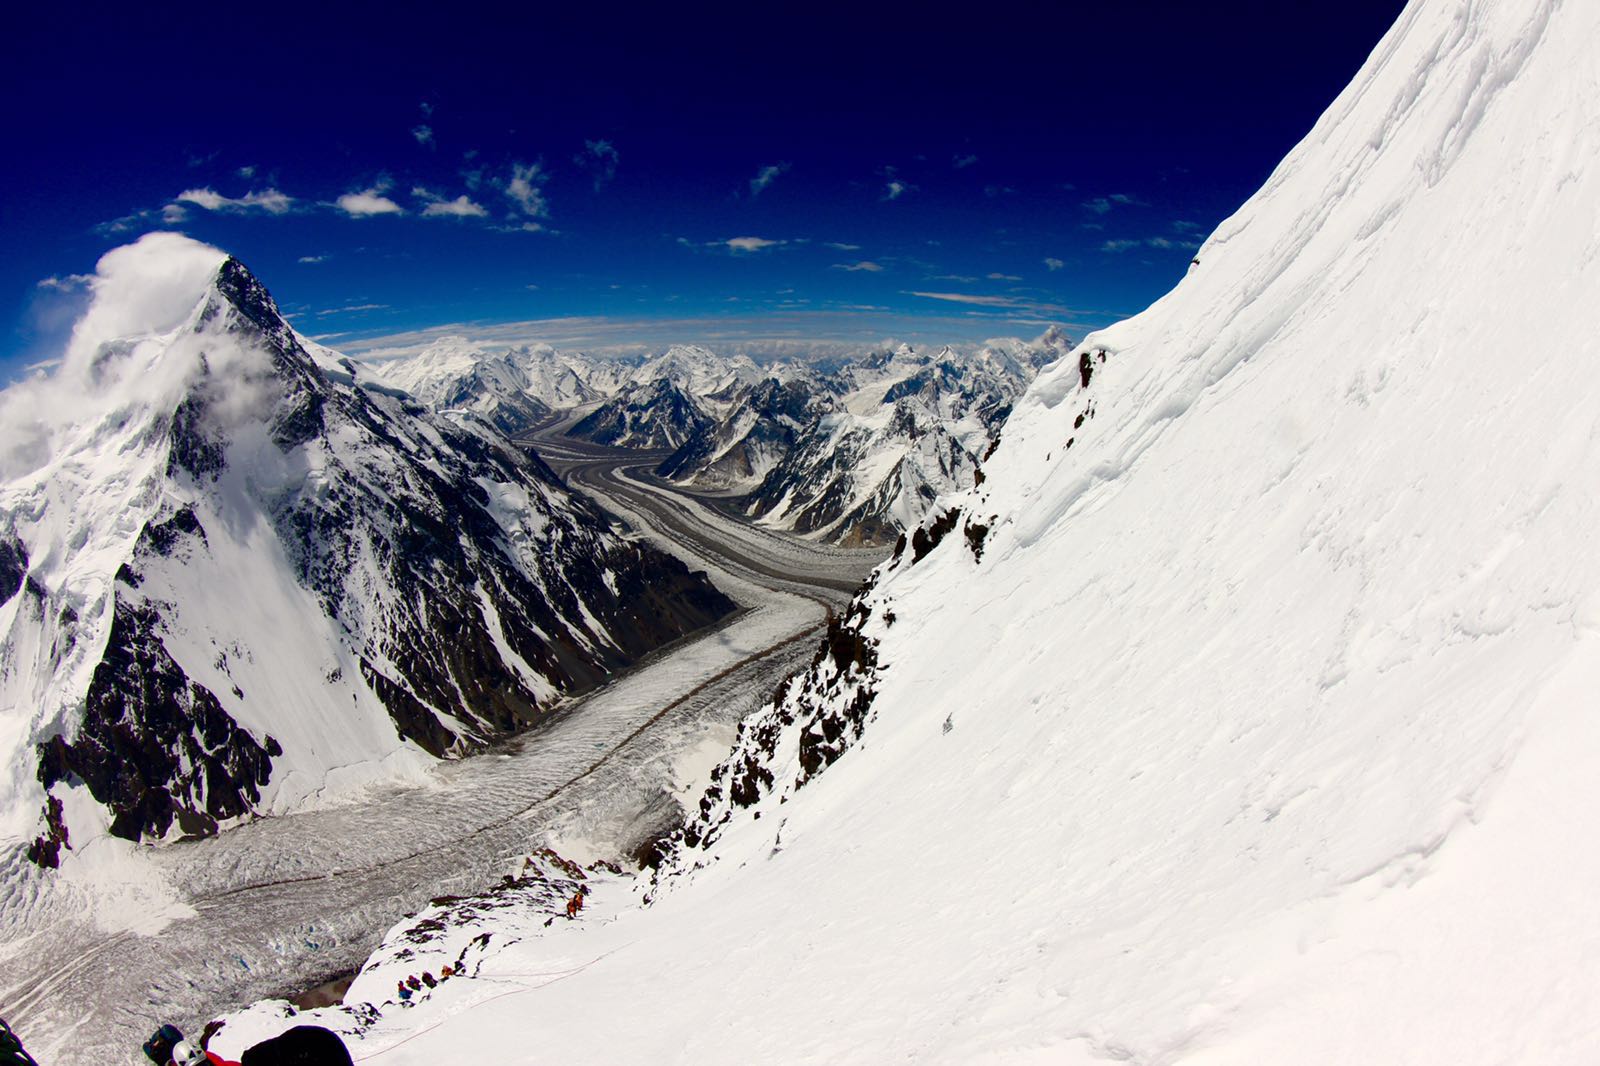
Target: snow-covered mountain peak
{"x": 234, "y": 565}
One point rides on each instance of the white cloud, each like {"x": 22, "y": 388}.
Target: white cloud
{"x": 368, "y": 202}
{"x": 997, "y": 276}
{"x": 525, "y": 189}
{"x": 460, "y": 207}
{"x": 969, "y": 298}
{"x": 142, "y": 288}
{"x": 172, "y": 214}
{"x": 246, "y": 172}
{"x": 895, "y": 188}
{"x": 766, "y": 176}
{"x": 841, "y": 246}
{"x": 269, "y": 200}
{"x": 600, "y": 158}
{"x": 953, "y": 277}
{"x": 866, "y": 264}
{"x": 424, "y": 134}
{"x": 438, "y": 207}
{"x": 138, "y": 290}
{"x": 70, "y": 283}
{"x": 1120, "y": 245}
{"x": 962, "y": 162}
{"x": 748, "y": 244}
{"x": 313, "y": 259}
{"x": 1052, "y": 263}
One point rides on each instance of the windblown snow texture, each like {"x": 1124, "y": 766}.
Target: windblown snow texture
{"x": 305, "y": 577}
{"x": 1245, "y": 712}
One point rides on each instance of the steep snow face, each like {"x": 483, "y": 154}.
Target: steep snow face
{"x": 452, "y": 374}
{"x": 237, "y": 580}
{"x": 1246, "y": 712}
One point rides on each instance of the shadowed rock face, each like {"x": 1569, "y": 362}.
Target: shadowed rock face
{"x": 446, "y": 603}
{"x": 655, "y": 415}
{"x": 13, "y": 568}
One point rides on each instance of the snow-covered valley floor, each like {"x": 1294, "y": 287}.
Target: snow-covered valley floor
{"x": 179, "y": 933}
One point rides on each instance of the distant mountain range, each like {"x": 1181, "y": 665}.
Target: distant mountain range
{"x": 853, "y": 450}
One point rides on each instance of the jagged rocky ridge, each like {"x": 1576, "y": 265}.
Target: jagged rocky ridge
{"x": 330, "y": 576}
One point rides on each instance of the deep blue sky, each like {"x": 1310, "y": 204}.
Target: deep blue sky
{"x": 1041, "y": 164}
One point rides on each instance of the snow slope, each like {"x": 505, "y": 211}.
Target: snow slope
{"x": 1258, "y": 723}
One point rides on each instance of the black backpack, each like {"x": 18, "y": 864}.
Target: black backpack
{"x": 11, "y": 1053}
{"x": 304, "y": 1045}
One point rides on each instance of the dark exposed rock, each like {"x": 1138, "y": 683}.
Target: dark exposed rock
{"x": 13, "y": 567}
{"x": 45, "y": 851}
{"x": 926, "y": 537}
{"x": 194, "y": 450}
{"x": 155, "y": 747}
{"x": 975, "y": 533}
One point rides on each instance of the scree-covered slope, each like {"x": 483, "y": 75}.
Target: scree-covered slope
{"x": 1245, "y": 713}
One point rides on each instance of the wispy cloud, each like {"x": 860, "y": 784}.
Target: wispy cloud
{"x": 1101, "y": 205}
{"x": 864, "y": 265}
{"x": 369, "y": 202}
{"x": 313, "y": 258}
{"x": 246, "y": 172}
{"x": 841, "y": 246}
{"x": 967, "y": 278}
{"x": 269, "y": 200}
{"x": 70, "y": 283}
{"x": 999, "y": 303}
{"x": 1052, "y": 263}
{"x": 438, "y": 207}
{"x": 424, "y": 134}
{"x": 1165, "y": 243}
{"x": 526, "y": 189}
{"x": 968, "y": 298}
{"x": 766, "y": 176}
{"x": 352, "y": 309}
{"x": 995, "y": 275}
{"x": 996, "y": 191}
{"x": 748, "y": 244}
{"x": 894, "y": 188}
{"x": 962, "y": 162}
{"x": 599, "y": 158}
